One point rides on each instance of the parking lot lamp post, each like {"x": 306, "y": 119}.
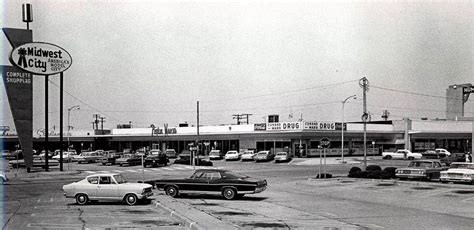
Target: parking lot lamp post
{"x": 342, "y": 127}
{"x": 68, "y": 120}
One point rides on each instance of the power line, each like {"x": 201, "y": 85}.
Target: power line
{"x": 83, "y": 102}
{"x": 413, "y": 93}
{"x": 285, "y": 92}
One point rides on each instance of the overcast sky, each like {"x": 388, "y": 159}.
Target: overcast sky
{"x": 150, "y": 61}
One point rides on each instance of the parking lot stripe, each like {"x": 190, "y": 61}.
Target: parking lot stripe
{"x": 156, "y": 169}
{"x": 168, "y": 169}
{"x": 119, "y": 171}
{"x": 88, "y": 171}
{"x": 130, "y": 170}
{"x": 104, "y": 171}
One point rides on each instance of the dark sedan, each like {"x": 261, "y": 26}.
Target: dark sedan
{"x": 129, "y": 160}
{"x": 421, "y": 169}
{"x": 213, "y": 181}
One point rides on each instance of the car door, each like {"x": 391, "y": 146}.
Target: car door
{"x": 107, "y": 188}
{"x": 89, "y": 188}
{"x": 214, "y": 181}
{"x": 197, "y": 182}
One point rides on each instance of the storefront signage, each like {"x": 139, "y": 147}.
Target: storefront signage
{"x": 320, "y": 125}
{"x": 260, "y": 127}
{"x": 158, "y": 131}
{"x": 291, "y": 125}
{"x": 41, "y": 58}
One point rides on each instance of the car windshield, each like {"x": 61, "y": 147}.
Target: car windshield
{"x": 234, "y": 175}
{"x": 281, "y": 154}
{"x": 119, "y": 178}
{"x": 231, "y": 152}
{"x": 462, "y": 166}
{"x": 262, "y": 154}
{"x": 421, "y": 164}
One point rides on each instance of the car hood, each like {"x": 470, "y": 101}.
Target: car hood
{"x": 413, "y": 168}
{"x": 465, "y": 171}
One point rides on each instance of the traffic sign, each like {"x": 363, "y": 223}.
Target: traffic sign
{"x": 325, "y": 142}
{"x": 193, "y": 148}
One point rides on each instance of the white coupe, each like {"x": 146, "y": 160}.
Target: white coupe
{"x": 107, "y": 186}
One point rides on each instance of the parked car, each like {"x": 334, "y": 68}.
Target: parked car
{"x": 283, "y": 157}
{"x": 232, "y": 155}
{"x": 401, "y": 154}
{"x": 156, "y": 158}
{"x": 109, "y": 187}
{"x": 458, "y": 172}
{"x": 185, "y": 159}
{"x": 89, "y": 157}
{"x": 67, "y": 156}
{"x": 421, "y": 169}
{"x": 214, "y": 181}
{"x": 110, "y": 158}
{"x": 248, "y": 155}
{"x": 264, "y": 156}
{"x": 37, "y": 162}
{"x": 170, "y": 153}
{"x": 454, "y": 157}
{"x": 215, "y": 155}
{"x": 129, "y": 160}
{"x": 43, "y": 154}
{"x": 436, "y": 153}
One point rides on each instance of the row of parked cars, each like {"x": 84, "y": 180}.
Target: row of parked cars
{"x": 435, "y": 169}
{"x": 251, "y": 155}
{"x": 152, "y": 158}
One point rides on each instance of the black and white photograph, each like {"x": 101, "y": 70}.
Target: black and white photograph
{"x": 237, "y": 114}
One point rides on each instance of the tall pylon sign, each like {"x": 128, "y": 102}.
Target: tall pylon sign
{"x": 28, "y": 59}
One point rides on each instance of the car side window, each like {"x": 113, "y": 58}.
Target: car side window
{"x": 105, "y": 180}
{"x": 437, "y": 165}
{"x": 213, "y": 175}
{"x": 93, "y": 180}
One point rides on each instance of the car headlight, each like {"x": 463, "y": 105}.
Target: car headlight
{"x": 467, "y": 175}
{"x": 398, "y": 171}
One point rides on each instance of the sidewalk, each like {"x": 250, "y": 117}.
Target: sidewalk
{"x": 20, "y": 174}
{"x": 194, "y": 218}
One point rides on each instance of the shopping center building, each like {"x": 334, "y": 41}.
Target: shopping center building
{"x": 302, "y": 138}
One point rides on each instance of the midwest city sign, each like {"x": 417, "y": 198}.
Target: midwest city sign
{"x": 41, "y": 58}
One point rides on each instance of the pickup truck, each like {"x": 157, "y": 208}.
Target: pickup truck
{"x": 401, "y": 154}
{"x": 156, "y": 158}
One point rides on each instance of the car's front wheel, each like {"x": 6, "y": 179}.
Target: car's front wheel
{"x": 82, "y": 199}
{"x": 172, "y": 191}
{"x": 388, "y": 157}
{"x": 229, "y": 193}
{"x": 131, "y": 199}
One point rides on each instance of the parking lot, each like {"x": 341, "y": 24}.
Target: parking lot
{"x": 293, "y": 199}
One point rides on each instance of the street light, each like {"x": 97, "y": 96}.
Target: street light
{"x": 76, "y": 107}
{"x": 342, "y": 128}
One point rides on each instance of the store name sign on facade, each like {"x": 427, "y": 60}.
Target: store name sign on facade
{"x": 307, "y": 125}
{"x": 41, "y": 58}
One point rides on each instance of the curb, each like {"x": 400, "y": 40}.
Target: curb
{"x": 189, "y": 223}
{"x": 201, "y": 220}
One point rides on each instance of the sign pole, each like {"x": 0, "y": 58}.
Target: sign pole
{"x": 61, "y": 88}
{"x": 46, "y": 133}
{"x": 324, "y": 163}
{"x": 320, "y": 163}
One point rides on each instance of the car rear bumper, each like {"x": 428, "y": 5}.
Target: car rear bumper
{"x": 411, "y": 176}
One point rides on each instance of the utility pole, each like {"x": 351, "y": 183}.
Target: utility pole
{"x": 102, "y": 123}
{"x": 197, "y": 137}
{"x": 238, "y": 117}
{"x": 364, "y": 83}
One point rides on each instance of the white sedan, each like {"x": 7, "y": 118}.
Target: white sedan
{"x": 67, "y": 156}
{"x": 232, "y": 155}
{"x": 401, "y": 154}
{"x": 107, "y": 186}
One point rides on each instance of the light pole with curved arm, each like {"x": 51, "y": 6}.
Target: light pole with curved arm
{"x": 342, "y": 128}
{"x": 69, "y": 127}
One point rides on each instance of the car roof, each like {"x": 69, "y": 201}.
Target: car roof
{"x": 426, "y": 160}
{"x": 103, "y": 174}
{"x": 211, "y": 170}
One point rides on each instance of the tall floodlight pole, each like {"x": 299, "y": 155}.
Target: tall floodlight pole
{"x": 68, "y": 120}
{"x": 364, "y": 83}
{"x": 342, "y": 128}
